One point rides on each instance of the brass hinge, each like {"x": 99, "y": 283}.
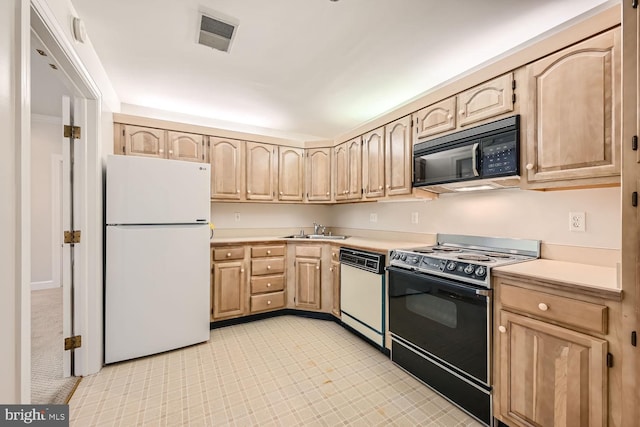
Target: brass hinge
{"x": 73, "y": 342}
{"x": 72, "y": 236}
{"x": 513, "y": 84}
{"x": 513, "y": 98}
{"x": 72, "y": 132}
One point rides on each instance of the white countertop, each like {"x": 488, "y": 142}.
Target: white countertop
{"x": 594, "y": 278}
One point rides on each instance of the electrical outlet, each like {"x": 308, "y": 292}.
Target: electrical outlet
{"x": 236, "y": 216}
{"x": 373, "y": 217}
{"x": 414, "y": 217}
{"x": 577, "y": 221}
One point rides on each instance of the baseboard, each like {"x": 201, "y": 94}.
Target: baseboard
{"x": 270, "y": 314}
{"x": 47, "y": 284}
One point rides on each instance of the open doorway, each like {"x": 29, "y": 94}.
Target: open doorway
{"x": 51, "y": 379}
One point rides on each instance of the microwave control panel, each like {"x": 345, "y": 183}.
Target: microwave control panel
{"x": 500, "y": 156}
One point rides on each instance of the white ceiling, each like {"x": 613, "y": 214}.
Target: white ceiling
{"x": 311, "y": 69}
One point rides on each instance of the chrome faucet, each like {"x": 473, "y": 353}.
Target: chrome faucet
{"x": 318, "y": 229}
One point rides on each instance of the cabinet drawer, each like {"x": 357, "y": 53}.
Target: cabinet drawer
{"x": 308, "y": 251}
{"x": 267, "y": 266}
{"x": 268, "y": 301}
{"x": 267, "y": 284}
{"x": 265, "y": 251}
{"x": 571, "y": 312}
{"x": 231, "y": 252}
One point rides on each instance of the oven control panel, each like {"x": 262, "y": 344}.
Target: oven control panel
{"x": 461, "y": 270}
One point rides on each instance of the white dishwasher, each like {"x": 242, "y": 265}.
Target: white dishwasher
{"x": 362, "y": 293}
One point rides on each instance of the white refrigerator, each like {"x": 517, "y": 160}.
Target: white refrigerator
{"x": 157, "y": 292}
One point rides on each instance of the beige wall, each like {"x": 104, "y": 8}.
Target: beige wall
{"x": 268, "y": 215}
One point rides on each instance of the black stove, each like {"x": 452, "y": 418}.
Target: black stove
{"x": 466, "y": 258}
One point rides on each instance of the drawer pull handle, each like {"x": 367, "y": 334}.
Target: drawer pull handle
{"x": 268, "y": 252}
{"x": 331, "y": 269}
{"x": 542, "y": 306}
{"x": 268, "y": 302}
{"x": 268, "y": 285}
{"x": 268, "y": 267}
{"x": 228, "y": 254}
{"x": 317, "y": 267}
{"x": 242, "y": 270}
{"x": 529, "y": 166}
{"x": 502, "y": 329}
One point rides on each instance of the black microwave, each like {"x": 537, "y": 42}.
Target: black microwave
{"x": 483, "y": 152}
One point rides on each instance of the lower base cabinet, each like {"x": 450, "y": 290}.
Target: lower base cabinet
{"x": 228, "y": 282}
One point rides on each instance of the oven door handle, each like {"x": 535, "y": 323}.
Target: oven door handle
{"x": 474, "y": 159}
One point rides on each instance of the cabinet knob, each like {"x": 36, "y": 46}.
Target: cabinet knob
{"x": 317, "y": 267}
{"x": 242, "y": 270}
{"x": 228, "y": 254}
{"x": 529, "y": 166}
{"x": 161, "y": 151}
{"x": 502, "y": 329}
{"x": 461, "y": 112}
{"x": 331, "y": 269}
{"x": 268, "y": 285}
{"x": 327, "y": 193}
{"x": 380, "y": 188}
{"x": 450, "y": 116}
{"x": 269, "y": 302}
{"x": 333, "y": 254}
{"x": 268, "y": 267}
{"x": 268, "y": 252}
{"x": 238, "y": 191}
{"x": 170, "y": 151}
{"x": 248, "y": 191}
{"x": 542, "y": 306}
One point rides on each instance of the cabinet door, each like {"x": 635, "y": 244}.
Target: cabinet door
{"x": 549, "y": 375}
{"x": 573, "y": 112}
{"x": 436, "y": 118}
{"x": 486, "y": 100}
{"x": 228, "y": 289}
{"x": 290, "y": 173}
{"x": 335, "y": 280}
{"x": 185, "y": 146}
{"x": 398, "y": 150}
{"x": 319, "y": 174}
{"x": 354, "y": 174}
{"x": 141, "y": 141}
{"x": 308, "y": 283}
{"x": 260, "y": 169}
{"x": 225, "y": 157}
{"x": 341, "y": 171}
{"x": 373, "y": 163}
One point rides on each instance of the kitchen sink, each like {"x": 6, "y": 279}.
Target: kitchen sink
{"x": 316, "y": 236}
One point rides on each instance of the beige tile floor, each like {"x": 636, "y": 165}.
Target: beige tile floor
{"x": 283, "y": 371}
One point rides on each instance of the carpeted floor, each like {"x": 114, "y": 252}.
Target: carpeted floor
{"x": 47, "y": 383}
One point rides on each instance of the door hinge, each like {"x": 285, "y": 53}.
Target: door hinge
{"x": 513, "y": 84}
{"x": 73, "y": 342}
{"x": 634, "y": 338}
{"x": 609, "y": 360}
{"x": 634, "y": 199}
{"x": 72, "y": 132}
{"x": 72, "y": 236}
{"x": 513, "y": 98}
{"x": 634, "y": 4}
{"x": 634, "y": 143}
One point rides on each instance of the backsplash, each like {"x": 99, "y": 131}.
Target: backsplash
{"x": 501, "y": 213}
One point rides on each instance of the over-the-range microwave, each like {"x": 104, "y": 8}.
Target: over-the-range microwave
{"x": 482, "y": 157}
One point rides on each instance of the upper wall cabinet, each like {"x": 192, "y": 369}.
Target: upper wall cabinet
{"x": 348, "y": 169}
{"x": 318, "y": 174}
{"x": 226, "y": 158}
{"x": 373, "y": 162}
{"x": 152, "y": 142}
{"x": 572, "y": 117}
{"x": 398, "y": 149}
{"x": 260, "y": 170}
{"x": 482, "y": 102}
{"x": 290, "y": 174}
{"x": 487, "y": 100}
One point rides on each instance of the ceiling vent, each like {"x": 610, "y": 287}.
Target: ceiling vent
{"x": 216, "y": 33}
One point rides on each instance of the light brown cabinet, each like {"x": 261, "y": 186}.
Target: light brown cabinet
{"x": 260, "y": 169}
{"x": 487, "y": 100}
{"x": 335, "y": 280}
{"x": 267, "y": 284}
{"x": 398, "y": 157}
{"x": 290, "y": 174}
{"x": 436, "y": 118}
{"x": 318, "y": 180}
{"x": 550, "y": 357}
{"x": 226, "y": 158}
{"x": 151, "y": 142}
{"x": 348, "y": 170}
{"x": 228, "y": 282}
{"x": 373, "y": 164}
{"x": 572, "y": 115}
{"x": 307, "y": 281}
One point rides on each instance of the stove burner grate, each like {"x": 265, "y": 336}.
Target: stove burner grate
{"x": 474, "y": 257}
{"x": 445, "y": 249}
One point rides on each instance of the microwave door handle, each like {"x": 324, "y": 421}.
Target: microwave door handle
{"x": 474, "y": 159}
